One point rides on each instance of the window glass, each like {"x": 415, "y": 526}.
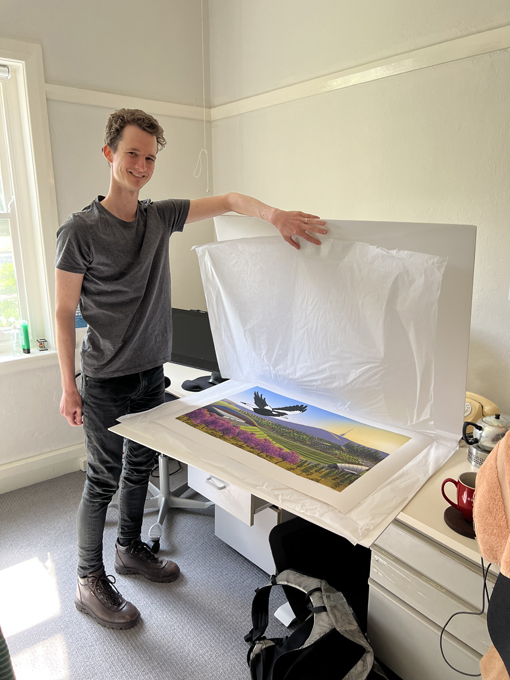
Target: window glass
{"x": 2, "y": 201}
{"x": 3, "y": 152}
{"x": 9, "y": 302}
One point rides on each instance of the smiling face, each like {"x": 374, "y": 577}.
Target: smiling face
{"x": 133, "y": 161}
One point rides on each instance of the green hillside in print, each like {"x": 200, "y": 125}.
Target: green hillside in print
{"x": 296, "y": 445}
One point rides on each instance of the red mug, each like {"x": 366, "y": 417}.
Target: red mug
{"x": 465, "y": 494}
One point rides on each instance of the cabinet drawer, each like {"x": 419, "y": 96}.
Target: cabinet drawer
{"x": 449, "y": 570}
{"x": 430, "y": 599}
{"x": 408, "y": 642}
{"x": 238, "y": 502}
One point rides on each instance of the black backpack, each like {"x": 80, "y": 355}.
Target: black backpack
{"x": 328, "y": 645}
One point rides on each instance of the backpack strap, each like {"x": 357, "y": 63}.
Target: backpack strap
{"x": 309, "y": 604}
{"x": 260, "y": 612}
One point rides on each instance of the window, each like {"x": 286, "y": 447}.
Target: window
{"x": 10, "y": 260}
{"x": 27, "y": 199}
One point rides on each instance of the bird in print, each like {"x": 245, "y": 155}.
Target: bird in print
{"x": 263, "y": 409}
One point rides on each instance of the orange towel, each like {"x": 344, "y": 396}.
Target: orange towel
{"x": 491, "y": 514}
{"x": 492, "y": 666}
{"x": 491, "y": 507}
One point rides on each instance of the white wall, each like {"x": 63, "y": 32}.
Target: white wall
{"x": 260, "y": 46}
{"x": 430, "y": 145}
{"x": 106, "y": 47}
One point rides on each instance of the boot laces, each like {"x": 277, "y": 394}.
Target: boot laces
{"x": 143, "y": 551}
{"x": 105, "y": 590}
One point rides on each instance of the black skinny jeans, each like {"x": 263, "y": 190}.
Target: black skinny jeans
{"x": 104, "y": 400}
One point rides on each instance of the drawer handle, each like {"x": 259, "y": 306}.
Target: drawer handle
{"x": 217, "y": 483}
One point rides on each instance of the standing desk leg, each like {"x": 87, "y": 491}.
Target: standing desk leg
{"x": 163, "y": 499}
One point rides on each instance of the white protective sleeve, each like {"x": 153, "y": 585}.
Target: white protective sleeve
{"x": 350, "y": 325}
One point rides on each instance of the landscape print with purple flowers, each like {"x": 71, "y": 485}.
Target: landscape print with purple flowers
{"x": 313, "y": 443}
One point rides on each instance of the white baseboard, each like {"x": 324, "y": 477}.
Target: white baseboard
{"x": 40, "y": 468}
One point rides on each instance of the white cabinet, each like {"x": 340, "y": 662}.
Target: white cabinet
{"x": 422, "y": 572}
{"x": 430, "y": 599}
{"x": 450, "y": 571}
{"x": 408, "y": 642}
{"x": 415, "y": 586}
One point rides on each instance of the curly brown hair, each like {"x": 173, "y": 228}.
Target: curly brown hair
{"x": 119, "y": 119}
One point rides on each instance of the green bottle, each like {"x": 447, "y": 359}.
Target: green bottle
{"x": 25, "y": 340}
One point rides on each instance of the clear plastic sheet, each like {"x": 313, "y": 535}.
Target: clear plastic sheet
{"x": 350, "y": 325}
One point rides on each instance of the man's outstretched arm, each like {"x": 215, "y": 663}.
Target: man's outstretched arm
{"x": 68, "y": 289}
{"x": 288, "y": 222}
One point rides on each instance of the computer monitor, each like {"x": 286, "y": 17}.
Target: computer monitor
{"x": 192, "y": 343}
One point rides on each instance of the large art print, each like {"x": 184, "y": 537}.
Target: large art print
{"x": 317, "y": 445}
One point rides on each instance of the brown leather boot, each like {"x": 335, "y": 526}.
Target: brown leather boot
{"x": 138, "y": 558}
{"x": 98, "y": 597}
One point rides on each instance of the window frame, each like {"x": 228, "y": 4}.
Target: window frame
{"x": 34, "y": 220}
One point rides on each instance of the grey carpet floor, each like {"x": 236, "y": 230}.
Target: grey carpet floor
{"x": 190, "y": 629}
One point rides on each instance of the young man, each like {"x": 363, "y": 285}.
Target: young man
{"x": 112, "y": 258}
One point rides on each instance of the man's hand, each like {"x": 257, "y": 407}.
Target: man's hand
{"x": 71, "y": 408}
{"x": 295, "y": 223}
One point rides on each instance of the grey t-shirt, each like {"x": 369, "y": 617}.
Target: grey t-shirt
{"x": 125, "y": 295}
